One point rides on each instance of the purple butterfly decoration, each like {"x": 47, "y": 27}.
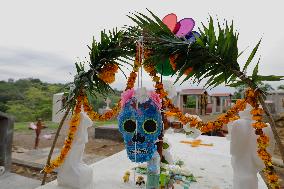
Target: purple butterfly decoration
{"x": 182, "y": 28}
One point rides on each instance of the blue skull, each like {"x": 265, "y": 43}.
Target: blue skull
{"x": 140, "y": 126}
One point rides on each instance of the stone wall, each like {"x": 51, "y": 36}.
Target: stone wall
{"x": 6, "y": 140}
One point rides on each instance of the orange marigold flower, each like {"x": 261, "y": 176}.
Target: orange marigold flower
{"x": 156, "y": 79}
{"x": 272, "y": 178}
{"x": 251, "y": 93}
{"x": 147, "y": 53}
{"x": 188, "y": 71}
{"x": 259, "y": 125}
{"x": 263, "y": 139}
{"x": 257, "y": 117}
{"x": 172, "y": 59}
{"x": 218, "y": 124}
{"x": 107, "y": 73}
{"x": 234, "y": 118}
{"x": 193, "y": 122}
{"x": 240, "y": 104}
{"x": 149, "y": 68}
{"x": 257, "y": 111}
{"x": 210, "y": 125}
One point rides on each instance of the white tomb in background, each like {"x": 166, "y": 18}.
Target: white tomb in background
{"x": 57, "y": 105}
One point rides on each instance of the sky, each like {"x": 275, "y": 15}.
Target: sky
{"x": 43, "y": 39}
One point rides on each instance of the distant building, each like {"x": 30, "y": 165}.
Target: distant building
{"x": 220, "y": 102}
{"x": 188, "y": 100}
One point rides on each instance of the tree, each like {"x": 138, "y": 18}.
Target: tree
{"x": 20, "y": 111}
{"x": 3, "y": 107}
{"x": 28, "y": 99}
{"x": 239, "y": 93}
{"x": 98, "y": 101}
{"x": 266, "y": 87}
{"x": 281, "y": 87}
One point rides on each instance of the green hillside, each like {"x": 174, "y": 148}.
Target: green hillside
{"x": 29, "y": 99}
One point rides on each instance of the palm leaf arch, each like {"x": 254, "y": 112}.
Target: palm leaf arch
{"x": 213, "y": 57}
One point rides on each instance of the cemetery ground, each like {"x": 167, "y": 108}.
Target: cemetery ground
{"x": 95, "y": 150}
{"x": 24, "y": 139}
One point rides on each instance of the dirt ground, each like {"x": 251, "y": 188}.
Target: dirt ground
{"x": 31, "y": 172}
{"x": 98, "y": 146}
{"x": 26, "y": 139}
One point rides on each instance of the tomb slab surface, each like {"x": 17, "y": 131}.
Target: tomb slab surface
{"x": 210, "y": 165}
{"x": 14, "y": 181}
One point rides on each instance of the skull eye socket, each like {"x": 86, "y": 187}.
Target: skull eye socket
{"x": 129, "y": 126}
{"x": 150, "y": 126}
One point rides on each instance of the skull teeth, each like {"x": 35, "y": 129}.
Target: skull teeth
{"x": 139, "y": 151}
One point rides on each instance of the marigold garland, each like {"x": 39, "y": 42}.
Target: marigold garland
{"x": 107, "y": 74}
{"x": 230, "y": 115}
{"x": 203, "y": 127}
{"x": 94, "y": 116}
{"x": 173, "y": 59}
{"x": 73, "y": 125}
{"x": 262, "y": 140}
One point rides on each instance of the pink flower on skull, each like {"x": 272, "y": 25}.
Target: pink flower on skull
{"x": 126, "y": 95}
{"x": 156, "y": 99}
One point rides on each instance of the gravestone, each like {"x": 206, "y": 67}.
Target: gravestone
{"x": 57, "y": 105}
{"x": 105, "y": 108}
{"x": 109, "y": 132}
{"x": 6, "y": 139}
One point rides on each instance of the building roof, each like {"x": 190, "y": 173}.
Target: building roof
{"x": 192, "y": 91}
{"x": 221, "y": 94}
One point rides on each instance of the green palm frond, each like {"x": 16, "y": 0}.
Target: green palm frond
{"x": 214, "y": 55}
{"x": 112, "y": 48}
{"x": 210, "y": 52}
{"x": 251, "y": 56}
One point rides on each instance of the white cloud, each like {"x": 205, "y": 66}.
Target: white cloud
{"x": 53, "y": 33}
{"x": 22, "y": 63}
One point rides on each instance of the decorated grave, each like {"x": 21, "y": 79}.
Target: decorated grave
{"x": 166, "y": 47}
{"x": 197, "y": 161}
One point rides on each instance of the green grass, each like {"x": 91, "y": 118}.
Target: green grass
{"x": 24, "y": 126}
{"x": 109, "y": 122}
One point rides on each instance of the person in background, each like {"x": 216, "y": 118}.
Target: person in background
{"x": 39, "y": 126}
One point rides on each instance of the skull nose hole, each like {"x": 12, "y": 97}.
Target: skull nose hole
{"x": 138, "y": 138}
